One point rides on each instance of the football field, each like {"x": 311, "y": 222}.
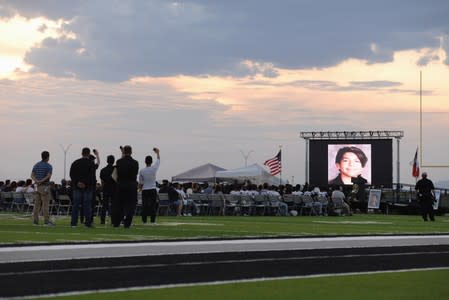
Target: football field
{"x": 228, "y": 257}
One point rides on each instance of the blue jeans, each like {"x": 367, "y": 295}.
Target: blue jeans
{"x": 85, "y": 197}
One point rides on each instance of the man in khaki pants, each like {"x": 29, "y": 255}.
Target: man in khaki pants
{"x": 41, "y": 175}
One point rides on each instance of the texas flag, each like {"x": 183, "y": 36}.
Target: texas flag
{"x": 415, "y": 170}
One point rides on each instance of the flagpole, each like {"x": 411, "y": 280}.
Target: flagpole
{"x": 420, "y": 117}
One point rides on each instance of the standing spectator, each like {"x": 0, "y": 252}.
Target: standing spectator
{"x": 82, "y": 175}
{"x": 187, "y": 204}
{"x": 426, "y": 196}
{"x": 360, "y": 186}
{"x": 96, "y": 159}
{"x": 127, "y": 170}
{"x": 147, "y": 183}
{"x": 109, "y": 187}
{"x": 41, "y": 175}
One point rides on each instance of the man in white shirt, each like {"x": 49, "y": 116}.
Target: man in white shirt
{"x": 338, "y": 200}
{"x": 147, "y": 183}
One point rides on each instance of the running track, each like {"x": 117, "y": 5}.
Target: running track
{"x": 38, "y": 270}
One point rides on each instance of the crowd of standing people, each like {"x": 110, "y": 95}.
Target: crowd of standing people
{"x": 119, "y": 185}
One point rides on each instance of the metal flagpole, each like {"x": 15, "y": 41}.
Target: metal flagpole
{"x": 421, "y": 148}
{"x": 420, "y": 118}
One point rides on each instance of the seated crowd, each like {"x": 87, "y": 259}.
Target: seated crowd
{"x": 180, "y": 202}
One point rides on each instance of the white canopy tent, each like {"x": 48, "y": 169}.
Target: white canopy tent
{"x": 255, "y": 173}
{"x": 203, "y": 173}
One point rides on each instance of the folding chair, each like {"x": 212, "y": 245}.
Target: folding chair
{"x": 18, "y": 201}
{"x": 138, "y": 209}
{"x": 65, "y": 204}
{"x": 297, "y": 202}
{"x": 338, "y": 206}
{"x": 231, "y": 204}
{"x": 260, "y": 205}
{"x": 276, "y": 206}
{"x": 99, "y": 204}
{"x": 164, "y": 204}
{"x": 289, "y": 200}
{"x": 52, "y": 206}
{"x": 324, "y": 203}
{"x": 203, "y": 204}
{"x": 197, "y": 202}
{"x": 216, "y": 204}
{"x": 29, "y": 202}
{"x": 246, "y": 204}
{"x": 6, "y": 200}
{"x": 308, "y": 204}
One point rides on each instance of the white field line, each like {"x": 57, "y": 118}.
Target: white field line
{"x": 354, "y": 222}
{"x": 218, "y": 242}
{"x": 179, "y": 285}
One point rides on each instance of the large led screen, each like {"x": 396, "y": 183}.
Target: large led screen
{"x": 336, "y": 162}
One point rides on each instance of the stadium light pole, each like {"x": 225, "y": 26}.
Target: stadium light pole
{"x": 245, "y": 156}
{"x": 65, "y": 149}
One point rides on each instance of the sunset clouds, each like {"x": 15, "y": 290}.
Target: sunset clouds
{"x": 204, "y": 80}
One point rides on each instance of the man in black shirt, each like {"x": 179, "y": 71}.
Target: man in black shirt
{"x": 426, "y": 196}
{"x": 361, "y": 186}
{"x": 96, "y": 159}
{"x": 109, "y": 187}
{"x": 82, "y": 174}
{"x": 125, "y": 205}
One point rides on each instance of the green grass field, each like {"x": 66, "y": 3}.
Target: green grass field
{"x": 18, "y": 228}
{"x": 430, "y": 284}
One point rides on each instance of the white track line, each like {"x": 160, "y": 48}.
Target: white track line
{"x": 220, "y": 283}
{"x": 116, "y": 250}
{"x": 218, "y": 242}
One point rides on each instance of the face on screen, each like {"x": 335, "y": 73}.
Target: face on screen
{"x": 346, "y": 161}
{"x": 335, "y": 162}
{"x": 350, "y": 165}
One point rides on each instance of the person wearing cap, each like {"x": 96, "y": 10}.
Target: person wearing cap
{"x": 96, "y": 159}
{"x": 109, "y": 187}
{"x": 426, "y": 196}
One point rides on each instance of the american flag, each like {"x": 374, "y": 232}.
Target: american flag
{"x": 415, "y": 169}
{"x": 274, "y": 164}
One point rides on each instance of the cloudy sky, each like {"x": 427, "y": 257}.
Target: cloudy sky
{"x": 215, "y": 81}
